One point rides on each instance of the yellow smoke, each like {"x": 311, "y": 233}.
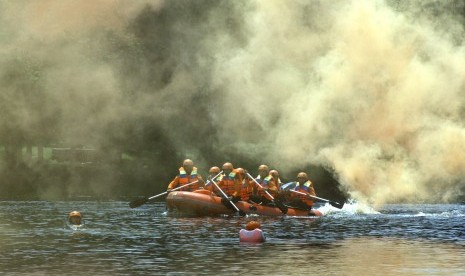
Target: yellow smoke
{"x": 358, "y": 86}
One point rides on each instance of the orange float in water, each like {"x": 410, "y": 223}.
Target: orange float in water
{"x": 252, "y": 233}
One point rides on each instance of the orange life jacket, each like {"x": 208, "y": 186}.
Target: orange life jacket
{"x": 246, "y": 189}
{"x": 184, "y": 178}
{"x": 229, "y": 184}
{"x": 306, "y": 188}
{"x": 267, "y": 183}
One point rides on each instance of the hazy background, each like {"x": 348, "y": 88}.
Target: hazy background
{"x": 368, "y": 96}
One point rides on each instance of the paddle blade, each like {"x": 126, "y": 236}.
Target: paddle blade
{"x": 242, "y": 213}
{"x": 138, "y": 202}
{"x": 337, "y": 204}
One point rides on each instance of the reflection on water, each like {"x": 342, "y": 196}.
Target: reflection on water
{"x": 400, "y": 239}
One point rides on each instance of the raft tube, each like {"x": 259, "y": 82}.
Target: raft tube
{"x": 204, "y": 203}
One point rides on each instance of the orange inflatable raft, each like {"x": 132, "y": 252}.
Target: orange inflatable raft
{"x": 204, "y": 203}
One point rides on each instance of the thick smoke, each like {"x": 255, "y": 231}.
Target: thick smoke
{"x": 372, "y": 90}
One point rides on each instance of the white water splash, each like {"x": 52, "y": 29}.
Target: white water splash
{"x": 350, "y": 208}
{"x": 447, "y": 214}
{"x": 454, "y": 213}
{"x": 76, "y": 227}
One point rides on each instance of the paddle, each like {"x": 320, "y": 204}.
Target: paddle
{"x": 333, "y": 203}
{"x": 142, "y": 201}
{"x": 242, "y": 213}
{"x": 211, "y": 179}
{"x": 280, "y": 206}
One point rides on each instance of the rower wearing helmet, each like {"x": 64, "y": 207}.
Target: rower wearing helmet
{"x": 267, "y": 182}
{"x": 187, "y": 174}
{"x": 230, "y": 182}
{"x": 214, "y": 171}
{"x": 247, "y": 187}
{"x": 303, "y": 185}
{"x": 277, "y": 180}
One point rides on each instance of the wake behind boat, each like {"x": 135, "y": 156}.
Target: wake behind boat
{"x": 204, "y": 203}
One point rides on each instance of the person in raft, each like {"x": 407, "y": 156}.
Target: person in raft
{"x": 252, "y": 233}
{"x": 303, "y": 185}
{"x": 187, "y": 174}
{"x": 230, "y": 184}
{"x": 247, "y": 186}
{"x": 267, "y": 182}
{"x": 277, "y": 180}
{"x": 75, "y": 218}
{"x": 214, "y": 171}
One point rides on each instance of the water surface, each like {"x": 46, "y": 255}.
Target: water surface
{"x": 117, "y": 240}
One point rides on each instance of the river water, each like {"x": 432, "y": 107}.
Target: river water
{"x": 116, "y": 240}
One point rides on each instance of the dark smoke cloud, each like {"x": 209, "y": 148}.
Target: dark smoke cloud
{"x": 372, "y": 90}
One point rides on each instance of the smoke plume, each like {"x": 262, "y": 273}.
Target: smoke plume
{"x": 371, "y": 90}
